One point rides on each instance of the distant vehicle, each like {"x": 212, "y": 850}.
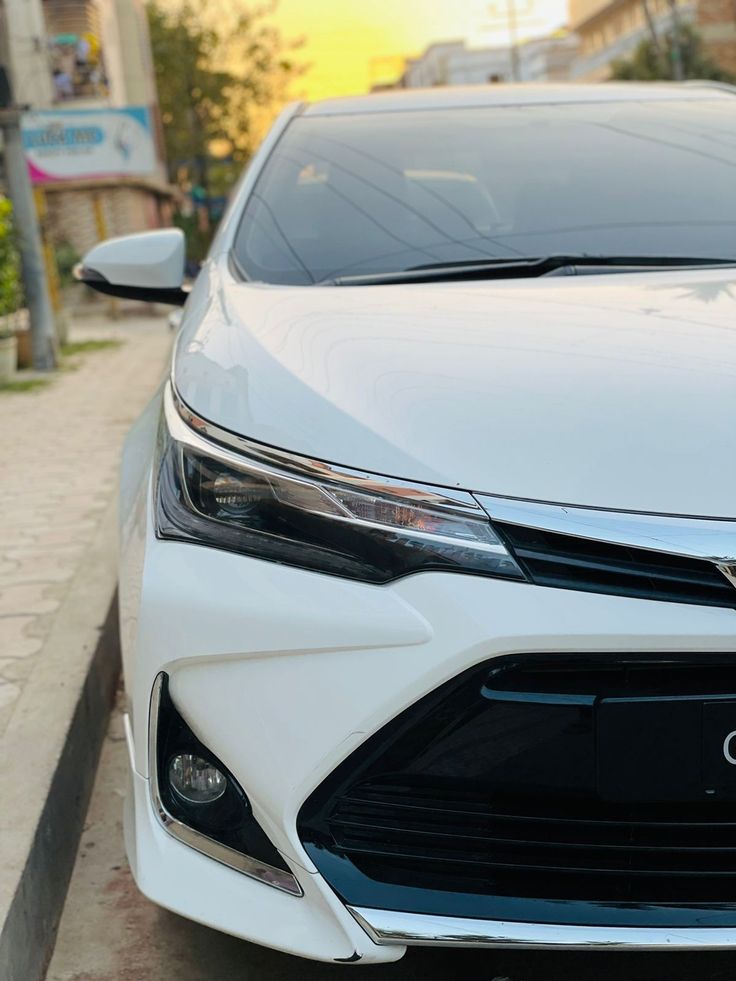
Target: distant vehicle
{"x": 428, "y": 546}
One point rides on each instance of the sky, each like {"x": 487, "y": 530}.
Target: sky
{"x": 353, "y": 43}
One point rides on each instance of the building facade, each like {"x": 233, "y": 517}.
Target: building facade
{"x": 612, "y": 29}
{"x": 453, "y": 63}
{"x": 81, "y": 55}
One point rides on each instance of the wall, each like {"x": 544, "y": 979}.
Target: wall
{"x": 30, "y": 64}
{"x": 613, "y": 30}
{"x": 717, "y": 26}
{"x": 616, "y": 30}
{"x": 81, "y": 217}
{"x": 452, "y": 63}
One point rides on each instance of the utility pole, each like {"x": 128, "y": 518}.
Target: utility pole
{"x": 506, "y": 13}
{"x": 678, "y": 69}
{"x": 652, "y": 30}
{"x": 30, "y": 247}
{"x": 513, "y": 40}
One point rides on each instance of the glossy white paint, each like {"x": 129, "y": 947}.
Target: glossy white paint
{"x": 316, "y": 925}
{"x": 457, "y": 96}
{"x": 147, "y": 260}
{"x": 283, "y": 673}
{"x": 614, "y": 391}
{"x": 602, "y": 391}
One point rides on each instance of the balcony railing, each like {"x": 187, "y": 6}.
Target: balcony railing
{"x": 75, "y": 49}
{"x": 77, "y": 66}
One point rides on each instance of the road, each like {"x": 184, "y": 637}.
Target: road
{"x": 109, "y": 932}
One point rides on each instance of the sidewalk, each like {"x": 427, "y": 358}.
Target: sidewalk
{"x": 59, "y": 447}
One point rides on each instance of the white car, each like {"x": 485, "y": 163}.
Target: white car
{"x": 428, "y": 567}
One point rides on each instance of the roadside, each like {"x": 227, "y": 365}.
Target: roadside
{"x": 59, "y": 444}
{"x": 110, "y": 932}
{"x": 60, "y": 440}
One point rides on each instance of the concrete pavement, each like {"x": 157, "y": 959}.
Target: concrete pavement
{"x": 59, "y": 447}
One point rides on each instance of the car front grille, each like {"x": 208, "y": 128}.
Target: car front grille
{"x": 569, "y": 562}
{"x": 550, "y": 788}
{"x": 423, "y": 837}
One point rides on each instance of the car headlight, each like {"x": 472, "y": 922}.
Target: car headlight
{"x": 311, "y": 515}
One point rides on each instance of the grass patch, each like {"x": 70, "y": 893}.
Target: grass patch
{"x": 82, "y": 347}
{"x": 24, "y": 385}
{"x": 68, "y": 351}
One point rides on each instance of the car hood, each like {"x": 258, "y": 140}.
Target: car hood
{"x": 611, "y": 391}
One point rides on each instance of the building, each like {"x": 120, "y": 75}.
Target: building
{"x": 611, "y": 29}
{"x": 89, "y": 55}
{"x": 453, "y": 63}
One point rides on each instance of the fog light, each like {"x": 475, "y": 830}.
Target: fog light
{"x": 196, "y": 780}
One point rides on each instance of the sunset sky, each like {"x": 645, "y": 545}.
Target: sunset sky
{"x": 347, "y": 41}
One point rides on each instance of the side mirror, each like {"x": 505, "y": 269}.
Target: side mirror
{"x": 148, "y": 266}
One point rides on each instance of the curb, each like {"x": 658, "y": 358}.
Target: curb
{"x": 48, "y": 760}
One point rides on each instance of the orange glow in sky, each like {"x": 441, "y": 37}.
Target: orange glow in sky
{"x": 351, "y": 44}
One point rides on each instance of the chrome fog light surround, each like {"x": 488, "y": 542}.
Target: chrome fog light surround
{"x": 249, "y": 865}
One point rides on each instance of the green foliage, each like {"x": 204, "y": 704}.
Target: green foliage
{"x": 66, "y": 259}
{"x": 10, "y": 288}
{"x": 198, "y": 240}
{"x": 219, "y": 68}
{"x": 651, "y": 62}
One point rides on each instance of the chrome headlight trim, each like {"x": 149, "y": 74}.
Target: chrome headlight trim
{"x": 710, "y": 539}
{"x": 311, "y": 514}
{"x": 185, "y": 425}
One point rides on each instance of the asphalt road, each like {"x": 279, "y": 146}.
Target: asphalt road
{"x": 109, "y": 932}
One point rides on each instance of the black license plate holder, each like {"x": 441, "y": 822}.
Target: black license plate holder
{"x": 665, "y": 749}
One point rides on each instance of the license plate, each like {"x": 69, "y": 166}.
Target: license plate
{"x": 671, "y": 749}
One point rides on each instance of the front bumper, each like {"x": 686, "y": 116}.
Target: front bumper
{"x": 284, "y": 673}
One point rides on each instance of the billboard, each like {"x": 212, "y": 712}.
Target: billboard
{"x": 84, "y": 144}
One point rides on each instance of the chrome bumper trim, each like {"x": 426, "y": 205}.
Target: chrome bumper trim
{"x": 387, "y": 927}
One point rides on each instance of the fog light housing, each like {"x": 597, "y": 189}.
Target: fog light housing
{"x": 195, "y": 779}
{"x": 198, "y": 800}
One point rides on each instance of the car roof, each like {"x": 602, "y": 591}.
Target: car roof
{"x": 468, "y": 96}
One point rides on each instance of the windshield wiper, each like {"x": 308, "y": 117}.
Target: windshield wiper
{"x": 528, "y": 268}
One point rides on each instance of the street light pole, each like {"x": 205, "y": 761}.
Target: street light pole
{"x": 43, "y": 337}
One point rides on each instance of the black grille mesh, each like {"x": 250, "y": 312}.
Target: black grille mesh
{"x": 617, "y": 856}
{"x": 499, "y": 789}
{"x": 567, "y": 562}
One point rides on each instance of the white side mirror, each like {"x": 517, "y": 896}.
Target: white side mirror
{"x": 148, "y": 266}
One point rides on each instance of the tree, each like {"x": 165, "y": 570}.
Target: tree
{"x": 221, "y": 72}
{"x": 653, "y": 62}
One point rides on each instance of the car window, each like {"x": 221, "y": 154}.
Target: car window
{"x": 386, "y": 191}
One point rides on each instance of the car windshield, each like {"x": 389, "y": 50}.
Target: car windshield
{"x": 383, "y": 192}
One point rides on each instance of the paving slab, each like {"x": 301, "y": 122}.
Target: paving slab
{"x": 58, "y": 650}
